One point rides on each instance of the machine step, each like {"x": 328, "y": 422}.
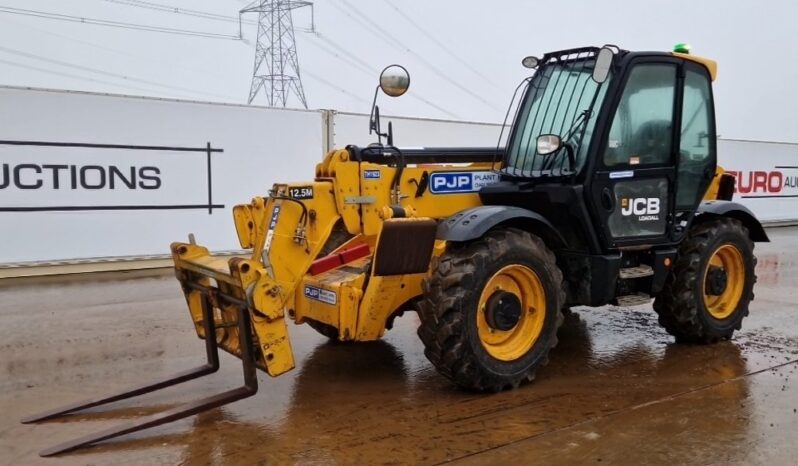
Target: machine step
{"x": 636, "y": 272}
{"x": 634, "y": 299}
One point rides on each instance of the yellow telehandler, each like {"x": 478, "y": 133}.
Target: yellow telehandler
{"x": 606, "y": 191}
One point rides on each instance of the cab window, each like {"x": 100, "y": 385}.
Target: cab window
{"x": 696, "y": 147}
{"x": 642, "y": 128}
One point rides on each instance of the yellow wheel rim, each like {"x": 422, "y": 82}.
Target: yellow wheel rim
{"x": 730, "y": 260}
{"x": 509, "y": 345}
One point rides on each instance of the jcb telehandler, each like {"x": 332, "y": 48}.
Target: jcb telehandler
{"x": 606, "y": 191}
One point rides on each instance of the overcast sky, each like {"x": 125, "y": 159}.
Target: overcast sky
{"x": 463, "y": 56}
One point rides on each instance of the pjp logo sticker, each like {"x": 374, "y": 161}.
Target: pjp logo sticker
{"x": 371, "y": 174}
{"x": 645, "y": 208}
{"x": 321, "y": 295}
{"x": 460, "y": 182}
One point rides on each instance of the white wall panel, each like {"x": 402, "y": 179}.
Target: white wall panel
{"x": 767, "y": 177}
{"x": 260, "y": 146}
{"x": 351, "y": 128}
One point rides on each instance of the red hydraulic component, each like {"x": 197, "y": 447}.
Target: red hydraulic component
{"x": 334, "y": 260}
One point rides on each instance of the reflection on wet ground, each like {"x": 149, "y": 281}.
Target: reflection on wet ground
{"x": 616, "y": 390}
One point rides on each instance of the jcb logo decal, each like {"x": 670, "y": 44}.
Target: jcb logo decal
{"x": 646, "y": 208}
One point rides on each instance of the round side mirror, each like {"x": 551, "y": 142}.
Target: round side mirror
{"x": 601, "y": 70}
{"x": 394, "y": 80}
{"x": 548, "y": 144}
{"x": 530, "y": 62}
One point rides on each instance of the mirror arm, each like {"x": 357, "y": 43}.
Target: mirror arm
{"x": 373, "y": 126}
{"x": 378, "y": 124}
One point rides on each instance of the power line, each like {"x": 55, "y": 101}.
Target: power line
{"x": 71, "y": 76}
{"x": 361, "y": 65}
{"x": 115, "y": 24}
{"x": 441, "y": 44}
{"x": 435, "y": 106}
{"x": 348, "y": 58}
{"x": 379, "y": 33}
{"x": 104, "y": 73}
{"x": 206, "y": 72}
{"x": 333, "y": 86}
{"x": 353, "y": 59}
{"x": 163, "y": 8}
{"x": 181, "y": 11}
{"x": 365, "y": 67}
{"x": 385, "y": 36}
{"x": 346, "y": 52}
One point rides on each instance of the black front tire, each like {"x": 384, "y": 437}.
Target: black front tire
{"x": 681, "y": 306}
{"x": 448, "y": 311}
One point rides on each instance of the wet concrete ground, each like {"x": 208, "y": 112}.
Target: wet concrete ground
{"x": 617, "y": 389}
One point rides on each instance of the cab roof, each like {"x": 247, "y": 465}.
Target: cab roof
{"x": 583, "y": 52}
{"x": 711, "y": 65}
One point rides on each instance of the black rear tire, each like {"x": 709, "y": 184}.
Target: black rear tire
{"x": 681, "y": 303}
{"x": 449, "y": 310}
{"x": 326, "y": 330}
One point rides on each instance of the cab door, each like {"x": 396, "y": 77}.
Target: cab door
{"x": 697, "y": 155}
{"x": 633, "y": 184}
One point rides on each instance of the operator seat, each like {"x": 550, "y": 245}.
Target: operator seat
{"x": 652, "y": 142}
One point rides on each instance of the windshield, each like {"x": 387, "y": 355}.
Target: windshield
{"x": 560, "y": 100}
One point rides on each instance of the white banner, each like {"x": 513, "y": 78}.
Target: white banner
{"x": 78, "y": 198}
{"x": 766, "y": 177}
{"x": 54, "y": 177}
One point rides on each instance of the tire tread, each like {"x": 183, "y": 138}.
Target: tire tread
{"x": 446, "y": 292}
